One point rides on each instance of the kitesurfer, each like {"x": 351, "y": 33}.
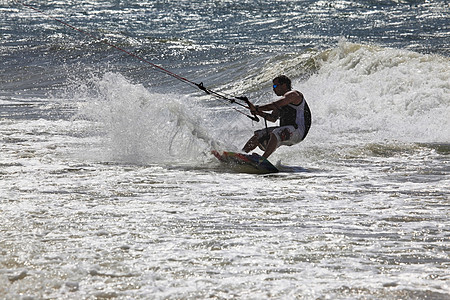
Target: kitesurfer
{"x": 294, "y": 115}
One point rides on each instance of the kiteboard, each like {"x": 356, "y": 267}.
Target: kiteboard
{"x": 248, "y": 163}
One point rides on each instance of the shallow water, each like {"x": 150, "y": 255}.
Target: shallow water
{"x": 108, "y": 188}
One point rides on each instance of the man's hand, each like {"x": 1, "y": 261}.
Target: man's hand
{"x": 253, "y": 108}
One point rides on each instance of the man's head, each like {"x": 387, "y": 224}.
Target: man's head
{"x": 281, "y": 85}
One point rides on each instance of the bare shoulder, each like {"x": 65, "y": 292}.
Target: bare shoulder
{"x": 294, "y": 97}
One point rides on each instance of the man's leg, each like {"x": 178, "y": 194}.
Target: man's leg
{"x": 251, "y": 144}
{"x": 271, "y": 146}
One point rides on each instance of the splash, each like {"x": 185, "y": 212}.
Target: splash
{"x": 144, "y": 127}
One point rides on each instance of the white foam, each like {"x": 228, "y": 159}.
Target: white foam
{"x": 145, "y": 127}
{"x": 366, "y": 93}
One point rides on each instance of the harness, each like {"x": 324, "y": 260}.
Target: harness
{"x": 290, "y": 115}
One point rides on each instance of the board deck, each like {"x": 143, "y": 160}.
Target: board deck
{"x": 248, "y": 163}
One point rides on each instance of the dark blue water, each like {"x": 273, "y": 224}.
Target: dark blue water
{"x": 197, "y": 37}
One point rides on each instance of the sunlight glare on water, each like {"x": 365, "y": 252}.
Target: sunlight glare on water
{"x": 108, "y": 188}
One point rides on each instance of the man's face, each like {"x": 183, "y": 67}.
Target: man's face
{"x": 278, "y": 88}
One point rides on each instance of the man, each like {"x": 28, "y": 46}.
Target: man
{"x": 294, "y": 115}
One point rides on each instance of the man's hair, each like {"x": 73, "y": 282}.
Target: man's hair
{"x": 283, "y": 79}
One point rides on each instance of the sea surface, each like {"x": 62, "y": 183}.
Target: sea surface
{"x": 108, "y": 189}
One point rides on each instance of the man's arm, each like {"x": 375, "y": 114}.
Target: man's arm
{"x": 255, "y": 109}
{"x": 292, "y": 97}
{"x": 273, "y": 117}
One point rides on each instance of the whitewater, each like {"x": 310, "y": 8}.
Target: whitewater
{"x": 109, "y": 190}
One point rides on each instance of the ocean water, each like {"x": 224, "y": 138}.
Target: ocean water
{"x": 108, "y": 188}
